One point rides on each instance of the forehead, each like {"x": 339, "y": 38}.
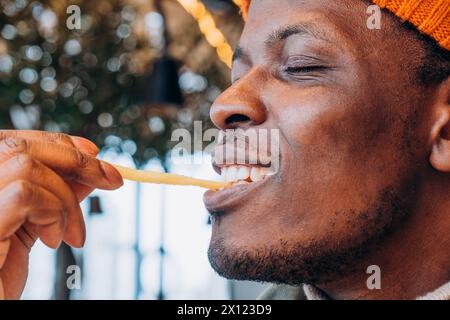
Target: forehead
{"x": 338, "y": 21}
{"x": 289, "y": 8}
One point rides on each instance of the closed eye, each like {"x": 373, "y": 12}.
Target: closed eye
{"x": 303, "y": 69}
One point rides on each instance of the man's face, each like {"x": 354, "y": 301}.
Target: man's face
{"x": 353, "y": 140}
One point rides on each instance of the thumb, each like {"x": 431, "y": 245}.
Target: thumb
{"x": 80, "y": 190}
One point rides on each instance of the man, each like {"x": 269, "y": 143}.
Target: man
{"x": 364, "y": 176}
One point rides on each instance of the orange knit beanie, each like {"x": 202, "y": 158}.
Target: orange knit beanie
{"x": 432, "y": 17}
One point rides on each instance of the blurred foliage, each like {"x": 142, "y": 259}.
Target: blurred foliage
{"x": 92, "y": 82}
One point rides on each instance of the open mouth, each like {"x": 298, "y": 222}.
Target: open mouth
{"x": 243, "y": 174}
{"x": 246, "y": 168}
{"x": 242, "y": 181}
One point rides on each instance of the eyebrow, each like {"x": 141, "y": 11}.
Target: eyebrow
{"x": 305, "y": 29}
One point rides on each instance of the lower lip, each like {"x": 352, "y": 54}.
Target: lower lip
{"x": 219, "y": 201}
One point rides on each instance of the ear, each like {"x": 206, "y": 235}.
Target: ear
{"x": 440, "y": 134}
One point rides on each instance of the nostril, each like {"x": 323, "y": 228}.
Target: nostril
{"x": 237, "y": 118}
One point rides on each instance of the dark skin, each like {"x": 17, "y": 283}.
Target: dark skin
{"x": 365, "y": 155}
{"x": 43, "y": 177}
{"x": 365, "y": 162}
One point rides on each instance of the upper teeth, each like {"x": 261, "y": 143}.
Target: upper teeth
{"x": 241, "y": 173}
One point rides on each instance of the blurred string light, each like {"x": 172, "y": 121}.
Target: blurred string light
{"x": 156, "y": 124}
{"x": 33, "y": 53}
{"x": 191, "y": 82}
{"x": 66, "y": 89}
{"x": 154, "y": 23}
{"x": 28, "y": 75}
{"x": 238, "y": 2}
{"x": 128, "y": 13}
{"x": 9, "y": 32}
{"x": 72, "y": 47}
{"x": 47, "y": 22}
{"x": 85, "y": 107}
{"x": 12, "y": 8}
{"x": 6, "y": 63}
{"x": 208, "y": 28}
{"x": 26, "y": 96}
{"x": 105, "y": 119}
{"x": 123, "y": 31}
{"x": 129, "y": 146}
{"x": 58, "y": 76}
{"x": 48, "y": 84}
{"x": 25, "y": 118}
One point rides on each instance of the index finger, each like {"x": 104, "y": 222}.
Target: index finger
{"x": 81, "y": 143}
{"x": 69, "y": 162}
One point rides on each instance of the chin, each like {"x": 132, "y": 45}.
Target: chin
{"x": 292, "y": 257}
{"x": 263, "y": 263}
{"x": 285, "y": 262}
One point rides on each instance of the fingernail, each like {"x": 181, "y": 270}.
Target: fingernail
{"x": 85, "y": 145}
{"x": 112, "y": 175}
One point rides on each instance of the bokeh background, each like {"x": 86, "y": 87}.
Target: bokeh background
{"x": 125, "y": 75}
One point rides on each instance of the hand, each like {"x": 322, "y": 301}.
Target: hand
{"x": 43, "y": 177}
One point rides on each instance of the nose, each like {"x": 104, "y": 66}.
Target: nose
{"x": 239, "y": 106}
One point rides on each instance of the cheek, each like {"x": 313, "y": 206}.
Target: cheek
{"x": 343, "y": 149}
{"x": 319, "y": 118}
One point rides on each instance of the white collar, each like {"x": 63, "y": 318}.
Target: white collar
{"x": 441, "y": 293}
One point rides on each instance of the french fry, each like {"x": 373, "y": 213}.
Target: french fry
{"x": 148, "y": 176}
